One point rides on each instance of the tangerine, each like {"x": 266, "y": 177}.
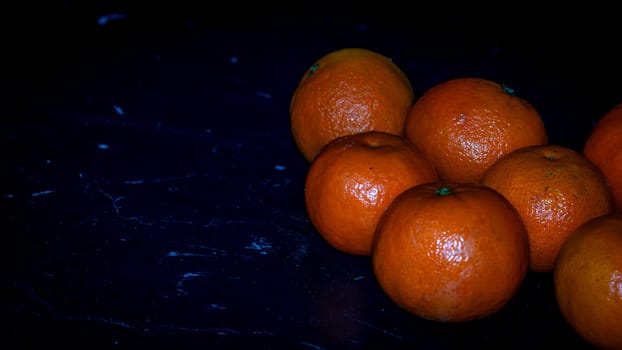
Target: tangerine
{"x": 555, "y": 189}
{"x": 353, "y": 179}
{"x": 463, "y": 125}
{"x": 588, "y": 281}
{"x": 347, "y": 91}
{"x": 450, "y": 252}
{"x": 604, "y": 148}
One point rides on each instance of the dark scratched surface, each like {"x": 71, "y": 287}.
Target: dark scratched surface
{"x": 152, "y": 196}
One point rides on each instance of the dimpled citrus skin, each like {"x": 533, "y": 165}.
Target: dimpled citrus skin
{"x": 347, "y": 91}
{"x": 464, "y": 125}
{"x": 604, "y": 147}
{"x": 450, "y": 252}
{"x": 353, "y": 179}
{"x": 555, "y": 189}
{"x": 588, "y": 281}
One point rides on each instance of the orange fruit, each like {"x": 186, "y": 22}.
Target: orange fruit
{"x": 450, "y": 252}
{"x": 555, "y": 189}
{"x": 353, "y": 179}
{"x": 347, "y": 91}
{"x": 465, "y": 124}
{"x": 604, "y": 147}
{"x": 588, "y": 281}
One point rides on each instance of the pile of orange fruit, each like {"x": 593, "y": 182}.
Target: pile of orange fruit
{"x": 457, "y": 194}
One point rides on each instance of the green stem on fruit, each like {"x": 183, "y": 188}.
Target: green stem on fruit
{"x": 508, "y": 90}
{"x": 313, "y": 69}
{"x": 443, "y": 191}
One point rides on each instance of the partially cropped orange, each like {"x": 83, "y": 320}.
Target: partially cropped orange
{"x": 450, "y": 252}
{"x": 604, "y": 147}
{"x": 555, "y": 189}
{"x": 347, "y": 91}
{"x": 465, "y": 124}
{"x": 353, "y": 179}
{"x": 588, "y": 281}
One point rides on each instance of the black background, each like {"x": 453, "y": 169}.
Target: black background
{"x": 152, "y": 195}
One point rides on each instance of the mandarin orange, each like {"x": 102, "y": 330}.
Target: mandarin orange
{"x": 588, "y": 281}
{"x": 465, "y": 124}
{"x": 555, "y": 189}
{"x": 353, "y": 179}
{"x": 450, "y": 252}
{"x": 604, "y": 147}
{"x": 347, "y": 91}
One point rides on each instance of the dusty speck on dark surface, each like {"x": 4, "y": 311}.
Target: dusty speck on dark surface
{"x": 152, "y": 195}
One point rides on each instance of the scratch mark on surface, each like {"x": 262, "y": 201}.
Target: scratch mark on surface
{"x": 173, "y": 221}
{"x": 118, "y": 110}
{"x": 134, "y": 182}
{"x": 310, "y": 345}
{"x": 8, "y": 196}
{"x": 381, "y": 330}
{"x": 115, "y": 200}
{"x": 104, "y": 320}
{"x": 104, "y": 19}
{"x": 22, "y": 296}
{"x": 211, "y": 252}
{"x": 191, "y": 275}
{"x": 178, "y": 254}
{"x": 162, "y": 179}
{"x": 186, "y": 277}
{"x": 139, "y": 220}
{"x": 41, "y": 193}
{"x": 260, "y": 244}
{"x": 358, "y": 278}
{"x": 149, "y": 327}
{"x": 376, "y": 328}
{"x": 263, "y": 94}
{"x": 214, "y": 222}
{"x": 216, "y": 307}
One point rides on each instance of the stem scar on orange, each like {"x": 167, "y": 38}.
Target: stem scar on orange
{"x": 450, "y": 252}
